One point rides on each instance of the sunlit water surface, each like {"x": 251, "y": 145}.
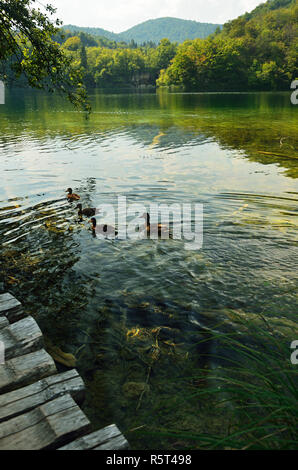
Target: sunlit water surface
{"x": 103, "y": 300}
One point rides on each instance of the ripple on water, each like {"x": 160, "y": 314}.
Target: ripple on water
{"x": 96, "y": 297}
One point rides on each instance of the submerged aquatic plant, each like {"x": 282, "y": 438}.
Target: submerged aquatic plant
{"x": 254, "y": 380}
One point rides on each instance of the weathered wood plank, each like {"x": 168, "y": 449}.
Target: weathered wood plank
{"x": 21, "y": 338}
{"x": 42, "y": 415}
{"x": 11, "y": 308}
{"x": 23, "y": 370}
{"x": 27, "y": 398}
{"x": 109, "y": 436}
{"x": 46, "y": 427}
{"x": 3, "y": 322}
{"x": 117, "y": 443}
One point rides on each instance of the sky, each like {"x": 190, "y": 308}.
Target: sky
{"x": 120, "y": 15}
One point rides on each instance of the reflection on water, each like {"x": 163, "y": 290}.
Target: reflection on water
{"x": 121, "y": 306}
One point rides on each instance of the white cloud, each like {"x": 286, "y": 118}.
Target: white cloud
{"x": 119, "y": 15}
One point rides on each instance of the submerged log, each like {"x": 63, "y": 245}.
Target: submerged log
{"x": 46, "y": 427}
{"x": 27, "y": 398}
{"x": 108, "y": 438}
{"x": 23, "y": 370}
{"x": 21, "y": 338}
{"x": 67, "y": 359}
{"x": 11, "y": 308}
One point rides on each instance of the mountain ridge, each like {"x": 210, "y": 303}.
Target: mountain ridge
{"x": 174, "y": 29}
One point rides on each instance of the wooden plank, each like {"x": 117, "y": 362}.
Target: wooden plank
{"x": 3, "y": 322}
{"x": 117, "y": 443}
{"x": 110, "y": 437}
{"x": 46, "y": 427}
{"x": 42, "y": 415}
{"x": 21, "y": 338}
{"x": 27, "y": 398}
{"x": 23, "y": 370}
{"x": 11, "y": 308}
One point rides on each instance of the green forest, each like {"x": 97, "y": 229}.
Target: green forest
{"x": 257, "y": 51}
{"x": 105, "y": 63}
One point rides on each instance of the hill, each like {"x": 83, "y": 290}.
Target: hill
{"x": 174, "y": 29}
{"x": 256, "y": 51}
{"x": 92, "y": 31}
{"x": 271, "y": 13}
{"x": 268, "y": 6}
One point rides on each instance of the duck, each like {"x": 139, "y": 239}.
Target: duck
{"x": 102, "y": 229}
{"x": 160, "y": 229}
{"x": 72, "y": 196}
{"x": 88, "y": 211}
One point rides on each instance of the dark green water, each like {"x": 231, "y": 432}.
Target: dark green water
{"x": 104, "y": 301}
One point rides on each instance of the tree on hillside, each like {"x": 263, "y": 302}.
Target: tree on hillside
{"x": 166, "y": 51}
{"x": 83, "y": 57}
{"x": 72, "y": 44}
{"x": 29, "y": 52}
{"x": 257, "y": 51}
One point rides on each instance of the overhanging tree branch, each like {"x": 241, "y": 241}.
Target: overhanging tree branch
{"x": 27, "y": 50}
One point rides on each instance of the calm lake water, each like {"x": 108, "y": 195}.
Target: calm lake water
{"x": 131, "y": 311}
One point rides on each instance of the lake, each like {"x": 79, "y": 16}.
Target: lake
{"x": 132, "y": 311}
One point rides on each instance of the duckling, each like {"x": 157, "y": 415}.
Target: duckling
{"x": 102, "y": 229}
{"x": 161, "y": 230}
{"x": 87, "y": 211}
{"x": 72, "y": 196}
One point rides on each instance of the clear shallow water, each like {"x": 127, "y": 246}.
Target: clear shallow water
{"x": 103, "y": 300}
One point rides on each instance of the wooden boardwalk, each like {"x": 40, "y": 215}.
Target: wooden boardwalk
{"x": 40, "y": 408}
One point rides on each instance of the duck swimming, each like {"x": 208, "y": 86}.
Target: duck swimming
{"x": 102, "y": 229}
{"x": 88, "y": 211}
{"x": 153, "y": 229}
{"x": 72, "y": 196}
